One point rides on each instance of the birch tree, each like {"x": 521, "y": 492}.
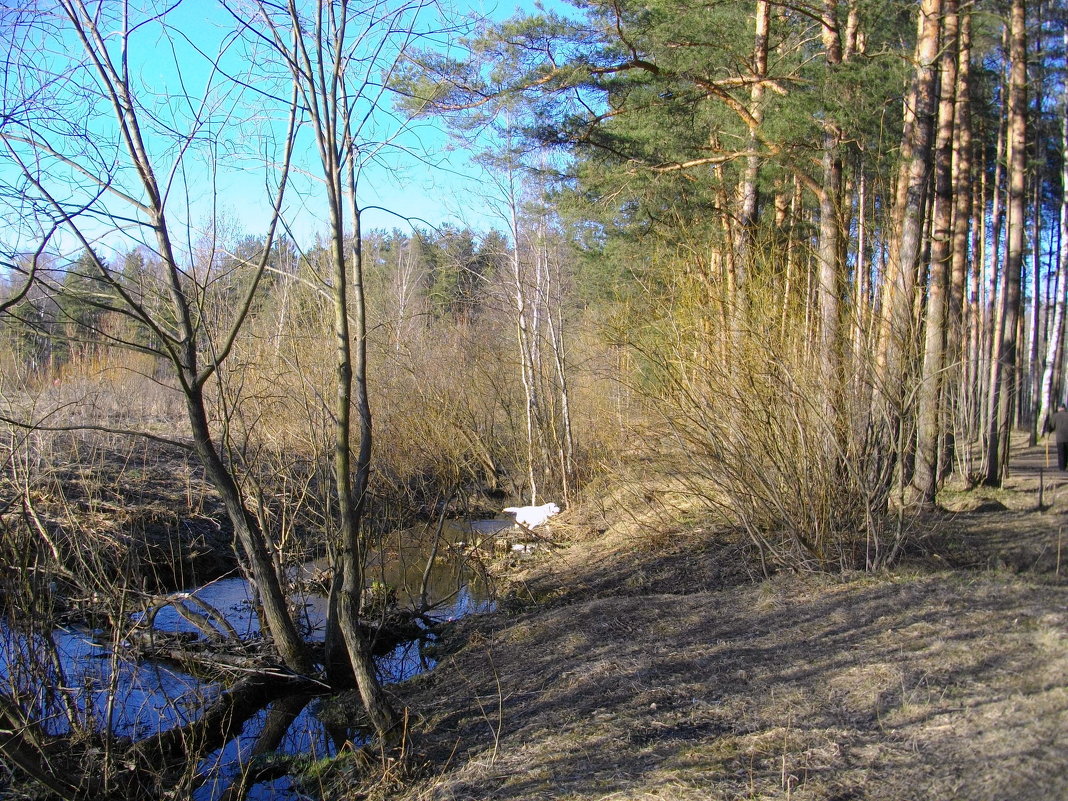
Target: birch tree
{"x": 1056, "y": 332}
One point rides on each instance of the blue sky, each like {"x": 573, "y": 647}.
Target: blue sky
{"x": 424, "y": 177}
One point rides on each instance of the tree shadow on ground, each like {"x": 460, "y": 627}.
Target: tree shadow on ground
{"x": 938, "y": 686}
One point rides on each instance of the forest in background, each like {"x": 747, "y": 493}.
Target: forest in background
{"x": 805, "y": 260}
{"x": 834, "y": 230}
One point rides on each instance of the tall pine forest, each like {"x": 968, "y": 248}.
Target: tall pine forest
{"x": 826, "y": 236}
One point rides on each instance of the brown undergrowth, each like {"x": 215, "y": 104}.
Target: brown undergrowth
{"x": 114, "y": 507}
{"x": 645, "y": 661}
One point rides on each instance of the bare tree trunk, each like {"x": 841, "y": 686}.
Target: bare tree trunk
{"x": 353, "y": 504}
{"x": 909, "y": 202}
{"x": 182, "y": 335}
{"x": 992, "y": 312}
{"x": 828, "y": 249}
{"x": 278, "y": 620}
{"x": 792, "y": 224}
{"x": 897, "y": 326}
{"x": 1056, "y": 333}
{"x": 747, "y": 190}
{"x": 1002, "y": 388}
{"x": 1039, "y": 345}
{"x": 956, "y": 352}
{"x": 317, "y": 48}
{"x": 555, "y": 324}
{"x": 405, "y": 283}
{"x": 929, "y": 417}
{"x": 1036, "y": 362}
{"x": 829, "y": 286}
{"x": 975, "y": 310}
{"x": 862, "y": 280}
{"x": 526, "y": 363}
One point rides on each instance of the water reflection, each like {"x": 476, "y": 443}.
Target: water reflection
{"x": 429, "y": 569}
{"x": 67, "y": 679}
{"x": 453, "y": 586}
{"x": 288, "y": 726}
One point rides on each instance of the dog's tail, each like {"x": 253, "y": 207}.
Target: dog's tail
{"x": 511, "y": 510}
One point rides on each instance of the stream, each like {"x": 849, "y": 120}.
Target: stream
{"x": 145, "y": 697}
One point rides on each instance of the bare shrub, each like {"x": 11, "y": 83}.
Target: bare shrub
{"x": 767, "y": 441}
{"x": 121, "y": 387}
{"x": 447, "y": 404}
{"x": 447, "y": 413}
{"x": 96, "y": 507}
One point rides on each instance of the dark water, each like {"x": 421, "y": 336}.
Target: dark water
{"x": 134, "y": 699}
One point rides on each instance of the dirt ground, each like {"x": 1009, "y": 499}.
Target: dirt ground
{"x": 656, "y": 666}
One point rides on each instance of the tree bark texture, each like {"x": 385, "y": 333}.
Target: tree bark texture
{"x": 929, "y": 418}
{"x": 897, "y": 326}
{"x": 1003, "y": 388}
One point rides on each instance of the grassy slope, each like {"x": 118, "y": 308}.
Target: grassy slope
{"x": 657, "y": 667}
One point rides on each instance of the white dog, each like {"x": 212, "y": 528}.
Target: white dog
{"x": 533, "y": 516}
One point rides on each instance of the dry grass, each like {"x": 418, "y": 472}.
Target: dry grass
{"x": 938, "y": 687}
{"x": 657, "y": 673}
{"x": 107, "y": 506}
{"x": 647, "y": 661}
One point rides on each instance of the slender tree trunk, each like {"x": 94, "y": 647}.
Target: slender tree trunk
{"x": 747, "y": 190}
{"x": 974, "y": 309}
{"x": 526, "y": 362}
{"x": 956, "y": 330}
{"x": 862, "y": 297}
{"x": 567, "y": 449}
{"x": 929, "y": 417}
{"x": 278, "y": 621}
{"x": 316, "y": 48}
{"x": 1046, "y": 398}
{"x": 995, "y": 300}
{"x": 896, "y": 329}
{"x": 829, "y": 286}
{"x": 862, "y": 280}
{"x": 1038, "y": 331}
{"x": 1036, "y": 364}
{"x": 353, "y": 502}
{"x": 277, "y": 618}
{"x": 1002, "y": 387}
{"x": 792, "y": 223}
{"x": 828, "y": 249}
{"x": 181, "y": 344}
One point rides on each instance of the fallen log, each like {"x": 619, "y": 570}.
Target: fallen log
{"x": 205, "y": 659}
